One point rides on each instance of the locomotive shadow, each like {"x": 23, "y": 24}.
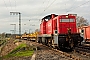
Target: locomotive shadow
{"x": 65, "y": 50}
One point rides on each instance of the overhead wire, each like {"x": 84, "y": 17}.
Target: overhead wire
{"x": 48, "y": 2}
{"x": 41, "y": 6}
{"x": 49, "y": 5}
{"x": 66, "y": 11}
{"x": 46, "y": 8}
{"x": 65, "y": 5}
{"x": 43, "y": 2}
{"x": 78, "y": 6}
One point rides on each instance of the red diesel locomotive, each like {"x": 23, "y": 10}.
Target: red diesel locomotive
{"x": 59, "y": 31}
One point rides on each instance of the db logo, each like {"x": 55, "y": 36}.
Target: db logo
{"x": 49, "y": 24}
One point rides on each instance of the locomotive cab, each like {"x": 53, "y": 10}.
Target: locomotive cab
{"x": 68, "y": 36}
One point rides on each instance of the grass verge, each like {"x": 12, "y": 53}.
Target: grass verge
{"x": 21, "y": 53}
{"x": 18, "y": 47}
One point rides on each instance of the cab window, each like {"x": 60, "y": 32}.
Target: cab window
{"x": 66, "y": 20}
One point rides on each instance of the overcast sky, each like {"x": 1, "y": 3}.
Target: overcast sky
{"x": 33, "y": 10}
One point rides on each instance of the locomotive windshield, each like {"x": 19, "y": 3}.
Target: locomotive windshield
{"x": 67, "y": 20}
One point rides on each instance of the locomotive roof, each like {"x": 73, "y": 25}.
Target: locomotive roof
{"x": 49, "y": 16}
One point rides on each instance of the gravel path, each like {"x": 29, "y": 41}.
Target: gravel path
{"x": 50, "y": 55}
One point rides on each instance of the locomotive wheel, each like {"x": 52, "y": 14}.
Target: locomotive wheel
{"x": 61, "y": 42}
{"x": 71, "y": 43}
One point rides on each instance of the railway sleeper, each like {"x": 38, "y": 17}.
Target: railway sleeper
{"x": 68, "y": 55}
{"x": 84, "y": 53}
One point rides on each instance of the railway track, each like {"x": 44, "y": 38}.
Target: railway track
{"x": 66, "y": 55}
{"x": 83, "y": 50}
